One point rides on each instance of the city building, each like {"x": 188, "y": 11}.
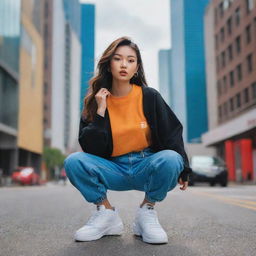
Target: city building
{"x": 21, "y": 84}
{"x": 47, "y": 100}
{"x": 72, "y": 63}
{"x": 165, "y": 87}
{"x": 232, "y": 26}
{"x": 40, "y": 63}
{"x": 88, "y": 47}
{"x": 63, "y": 88}
{"x": 188, "y": 79}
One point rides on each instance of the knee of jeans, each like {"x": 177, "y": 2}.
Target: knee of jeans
{"x": 72, "y": 160}
{"x": 171, "y": 154}
{"x": 174, "y": 157}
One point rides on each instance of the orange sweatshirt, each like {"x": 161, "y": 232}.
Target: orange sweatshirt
{"x": 130, "y": 130}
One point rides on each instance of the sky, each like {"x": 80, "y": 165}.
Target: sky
{"x": 147, "y": 22}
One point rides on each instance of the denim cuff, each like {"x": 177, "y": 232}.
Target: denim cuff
{"x": 101, "y": 199}
{"x": 150, "y": 199}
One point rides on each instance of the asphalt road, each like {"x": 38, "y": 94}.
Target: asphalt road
{"x": 199, "y": 221}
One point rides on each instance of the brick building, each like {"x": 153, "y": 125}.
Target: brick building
{"x": 231, "y": 52}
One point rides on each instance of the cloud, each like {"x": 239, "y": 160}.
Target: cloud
{"x": 120, "y": 20}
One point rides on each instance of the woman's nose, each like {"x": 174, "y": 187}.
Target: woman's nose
{"x": 123, "y": 63}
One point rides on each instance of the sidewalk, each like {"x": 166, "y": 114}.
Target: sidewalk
{"x": 235, "y": 183}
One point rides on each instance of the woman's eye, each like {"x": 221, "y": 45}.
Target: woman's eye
{"x": 119, "y": 59}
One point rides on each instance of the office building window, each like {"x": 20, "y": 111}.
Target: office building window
{"x": 248, "y": 34}
{"x": 215, "y": 16}
{"x": 46, "y": 10}
{"x": 230, "y": 52}
{"x": 223, "y": 59}
{"x": 9, "y": 94}
{"x": 224, "y": 82}
{"x": 231, "y": 78}
{"x": 231, "y": 104}
{"x": 237, "y": 16}
{"x": 249, "y": 5}
{"x": 249, "y": 63}
{"x": 216, "y": 41}
{"x": 220, "y": 112}
{"x": 222, "y": 34}
{"x": 253, "y": 88}
{"x": 225, "y": 109}
{"x": 246, "y": 95}
{"x": 217, "y": 63}
{"x": 221, "y": 9}
{"x": 219, "y": 87}
{"x": 239, "y": 72}
{"x": 226, "y": 4}
{"x": 238, "y": 100}
{"x": 229, "y": 26}
{"x": 238, "y": 44}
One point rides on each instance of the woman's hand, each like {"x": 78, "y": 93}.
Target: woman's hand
{"x": 184, "y": 183}
{"x": 101, "y": 97}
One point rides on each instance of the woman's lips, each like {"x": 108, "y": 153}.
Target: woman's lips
{"x": 123, "y": 73}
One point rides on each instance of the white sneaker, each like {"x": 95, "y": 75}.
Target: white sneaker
{"x": 146, "y": 224}
{"x": 102, "y": 222}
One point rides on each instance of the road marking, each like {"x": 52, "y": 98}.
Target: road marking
{"x": 243, "y": 203}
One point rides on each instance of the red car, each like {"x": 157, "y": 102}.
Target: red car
{"x": 25, "y": 176}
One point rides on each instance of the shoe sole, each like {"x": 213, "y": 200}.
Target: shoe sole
{"x": 137, "y": 231}
{"x": 112, "y": 231}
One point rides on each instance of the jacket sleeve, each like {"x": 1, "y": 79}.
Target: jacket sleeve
{"x": 93, "y": 136}
{"x": 171, "y": 130}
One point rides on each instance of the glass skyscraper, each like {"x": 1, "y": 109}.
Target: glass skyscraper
{"x": 9, "y": 61}
{"x": 188, "y": 67}
{"x": 87, "y": 42}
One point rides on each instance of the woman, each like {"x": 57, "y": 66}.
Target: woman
{"x": 131, "y": 141}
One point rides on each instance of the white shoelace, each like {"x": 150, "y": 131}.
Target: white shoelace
{"x": 150, "y": 217}
{"x": 94, "y": 216}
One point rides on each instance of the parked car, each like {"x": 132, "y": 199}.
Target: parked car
{"x": 25, "y": 176}
{"x": 210, "y": 169}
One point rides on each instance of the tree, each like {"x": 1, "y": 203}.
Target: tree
{"x": 53, "y": 159}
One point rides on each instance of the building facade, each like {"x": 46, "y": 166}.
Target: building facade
{"x": 210, "y": 68}
{"x": 234, "y": 51}
{"x": 66, "y": 62}
{"x": 47, "y": 99}
{"x": 72, "y": 63}
{"x": 56, "y": 132}
{"x": 40, "y": 63}
{"x": 9, "y": 83}
{"x": 21, "y": 83}
{"x": 88, "y": 48}
{"x": 188, "y": 77}
{"x": 165, "y": 87}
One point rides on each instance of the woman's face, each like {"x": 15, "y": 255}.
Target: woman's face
{"x": 124, "y": 59}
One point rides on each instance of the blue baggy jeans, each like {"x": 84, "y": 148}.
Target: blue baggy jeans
{"x": 155, "y": 173}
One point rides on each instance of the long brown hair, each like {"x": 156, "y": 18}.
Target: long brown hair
{"x": 103, "y": 77}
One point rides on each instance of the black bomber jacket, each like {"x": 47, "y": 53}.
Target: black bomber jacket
{"x": 166, "y": 130}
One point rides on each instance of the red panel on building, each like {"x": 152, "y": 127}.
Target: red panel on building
{"x": 246, "y": 159}
{"x": 230, "y": 159}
